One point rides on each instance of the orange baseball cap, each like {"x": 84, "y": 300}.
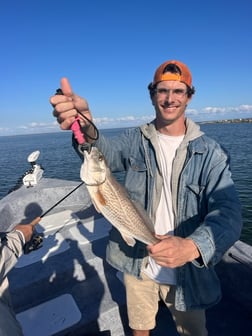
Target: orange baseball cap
{"x": 185, "y": 76}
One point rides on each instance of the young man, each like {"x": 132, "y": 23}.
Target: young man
{"x": 11, "y": 248}
{"x": 183, "y": 179}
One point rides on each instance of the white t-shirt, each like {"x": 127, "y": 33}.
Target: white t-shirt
{"x": 165, "y": 217}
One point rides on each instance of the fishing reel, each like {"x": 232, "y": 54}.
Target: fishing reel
{"x": 34, "y": 243}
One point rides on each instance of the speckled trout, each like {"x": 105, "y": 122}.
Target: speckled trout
{"x": 111, "y": 199}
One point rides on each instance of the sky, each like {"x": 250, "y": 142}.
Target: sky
{"x": 110, "y": 49}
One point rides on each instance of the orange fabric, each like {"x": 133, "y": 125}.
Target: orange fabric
{"x": 185, "y": 76}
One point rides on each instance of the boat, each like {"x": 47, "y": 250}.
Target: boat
{"x": 64, "y": 286}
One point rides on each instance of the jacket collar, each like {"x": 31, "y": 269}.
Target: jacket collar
{"x": 192, "y": 130}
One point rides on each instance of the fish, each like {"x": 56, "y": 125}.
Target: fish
{"x": 112, "y": 200}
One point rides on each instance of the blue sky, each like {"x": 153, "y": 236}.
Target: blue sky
{"x": 110, "y": 49}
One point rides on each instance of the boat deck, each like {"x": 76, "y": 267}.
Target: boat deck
{"x": 66, "y": 288}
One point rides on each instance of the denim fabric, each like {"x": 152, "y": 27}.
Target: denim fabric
{"x": 205, "y": 202}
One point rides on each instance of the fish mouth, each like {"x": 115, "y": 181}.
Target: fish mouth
{"x": 94, "y": 172}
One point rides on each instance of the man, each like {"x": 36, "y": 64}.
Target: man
{"x": 11, "y": 248}
{"x": 183, "y": 180}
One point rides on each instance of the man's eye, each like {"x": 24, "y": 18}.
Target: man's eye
{"x": 162, "y": 91}
{"x": 179, "y": 91}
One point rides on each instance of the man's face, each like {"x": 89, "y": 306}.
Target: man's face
{"x": 170, "y": 101}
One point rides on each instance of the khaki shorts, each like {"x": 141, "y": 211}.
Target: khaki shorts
{"x": 143, "y": 298}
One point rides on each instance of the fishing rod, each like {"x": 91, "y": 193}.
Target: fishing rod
{"x": 37, "y": 219}
{"x": 37, "y": 239}
{"x": 80, "y": 136}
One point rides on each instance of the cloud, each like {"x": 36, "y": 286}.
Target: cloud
{"x": 4, "y": 129}
{"x": 123, "y": 121}
{"x": 238, "y": 109}
{"x": 205, "y": 114}
{"x": 219, "y": 113}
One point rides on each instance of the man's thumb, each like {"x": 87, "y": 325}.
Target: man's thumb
{"x": 66, "y": 87}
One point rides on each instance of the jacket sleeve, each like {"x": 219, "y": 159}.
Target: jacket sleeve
{"x": 222, "y": 223}
{"x": 11, "y": 248}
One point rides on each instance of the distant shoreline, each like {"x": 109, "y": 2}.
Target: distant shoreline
{"x": 227, "y": 121}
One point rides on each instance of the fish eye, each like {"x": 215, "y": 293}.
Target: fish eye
{"x": 101, "y": 157}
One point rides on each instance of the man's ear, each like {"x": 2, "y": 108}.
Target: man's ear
{"x": 188, "y": 100}
{"x": 152, "y": 100}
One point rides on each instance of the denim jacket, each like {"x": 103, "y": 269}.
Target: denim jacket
{"x": 205, "y": 204}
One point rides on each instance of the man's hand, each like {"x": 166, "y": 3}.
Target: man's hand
{"x": 66, "y": 106}
{"x": 173, "y": 251}
{"x": 27, "y": 229}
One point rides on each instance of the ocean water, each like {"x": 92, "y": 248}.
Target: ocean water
{"x": 60, "y": 160}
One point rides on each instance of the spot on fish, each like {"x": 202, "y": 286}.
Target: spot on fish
{"x": 100, "y": 198}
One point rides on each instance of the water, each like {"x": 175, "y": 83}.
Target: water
{"x": 237, "y": 139}
{"x": 60, "y": 160}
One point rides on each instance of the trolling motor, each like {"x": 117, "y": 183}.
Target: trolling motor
{"x": 33, "y": 175}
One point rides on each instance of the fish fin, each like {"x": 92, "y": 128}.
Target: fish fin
{"x": 129, "y": 240}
